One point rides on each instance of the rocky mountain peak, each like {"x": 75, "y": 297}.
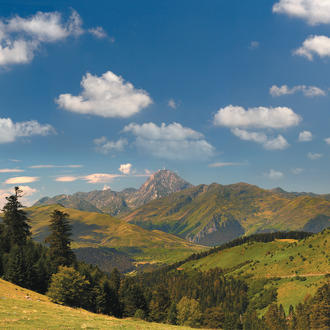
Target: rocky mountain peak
{"x": 162, "y": 183}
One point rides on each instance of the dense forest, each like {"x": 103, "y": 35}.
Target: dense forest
{"x": 168, "y": 295}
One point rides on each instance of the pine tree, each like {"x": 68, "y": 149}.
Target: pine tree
{"x": 59, "y": 240}
{"x": 106, "y": 299}
{"x": 159, "y": 304}
{"x": 131, "y": 297}
{"x": 16, "y": 266}
{"x": 275, "y": 317}
{"x": 320, "y": 310}
{"x": 16, "y": 228}
{"x": 172, "y": 314}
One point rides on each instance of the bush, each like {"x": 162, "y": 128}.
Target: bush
{"x": 68, "y": 287}
{"x": 140, "y": 314}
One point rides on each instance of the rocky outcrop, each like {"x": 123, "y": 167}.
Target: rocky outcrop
{"x": 219, "y": 230}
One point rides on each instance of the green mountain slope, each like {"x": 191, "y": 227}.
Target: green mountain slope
{"x": 102, "y": 233}
{"x": 24, "y": 309}
{"x": 290, "y": 267}
{"x": 214, "y": 214}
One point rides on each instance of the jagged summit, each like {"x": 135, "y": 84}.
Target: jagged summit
{"x": 160, "y": 184}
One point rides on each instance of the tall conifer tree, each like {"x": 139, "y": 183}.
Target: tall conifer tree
{"x": 16, "y": 228}
{"x": 59, "y": 239}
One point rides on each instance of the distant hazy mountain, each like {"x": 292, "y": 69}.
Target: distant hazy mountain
{"x": 160, "y": 184}
{"x": 293, "y": 194}
{"x": 214, "y": 214}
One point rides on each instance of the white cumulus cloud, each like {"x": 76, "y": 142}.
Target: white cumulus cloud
{"x": 106, "y": 96}
{"x": 305, "y": 136}
{"x": 274, "y": 175}
{"x": 10, "y": 131}
{"x": 17, "y": 51}
{"x": 21, "y": 37}
{"x": 241, "y": 121}
{"x": 314, "y": 45}
{"x": 277, "y": 143}
{"x": 312, "y": 11}
{"x": 327, "y": 140}
{"x": 98, "y": 32}
{"x": 314, "y": 156}
{"x": 309, "y": 91}
{"x": 171, "y": 141}
{"x": 259, "y": 117}
{"x": 46, "y": 27}
{"x": 125, "y": 168}
{"x": 26, "y": 193}
{"x": 105, "y": 146}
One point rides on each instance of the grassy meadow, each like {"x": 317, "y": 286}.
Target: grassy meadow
{"x": 294, "y": 268}
{"x": 25, "y": 309}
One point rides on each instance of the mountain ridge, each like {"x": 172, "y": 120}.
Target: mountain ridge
{"x": 213, "y": 214}
{"x": 160, "y": 184}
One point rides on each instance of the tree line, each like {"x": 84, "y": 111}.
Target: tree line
{"x": 169, "y": 295}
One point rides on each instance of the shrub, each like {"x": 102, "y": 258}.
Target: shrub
{"x": 68, "y": 287}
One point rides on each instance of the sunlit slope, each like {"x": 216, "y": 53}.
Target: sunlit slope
{"x": 215, "y": 214}
{"x": 92, "y": 229}
{"x": 280, "y": 258}
{"x": 293, "y": 268}
{"x": 24, "y": 309}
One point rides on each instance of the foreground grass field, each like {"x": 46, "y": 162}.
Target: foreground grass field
{"x": 24, "y": 309}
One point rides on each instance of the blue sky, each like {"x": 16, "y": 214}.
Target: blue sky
{"x": 104, "y": 93}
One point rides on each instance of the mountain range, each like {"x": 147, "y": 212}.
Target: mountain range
{"x": 204, "y": 214}
{"x": 160, "y": 184}
{"x": 214, "y": 214}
